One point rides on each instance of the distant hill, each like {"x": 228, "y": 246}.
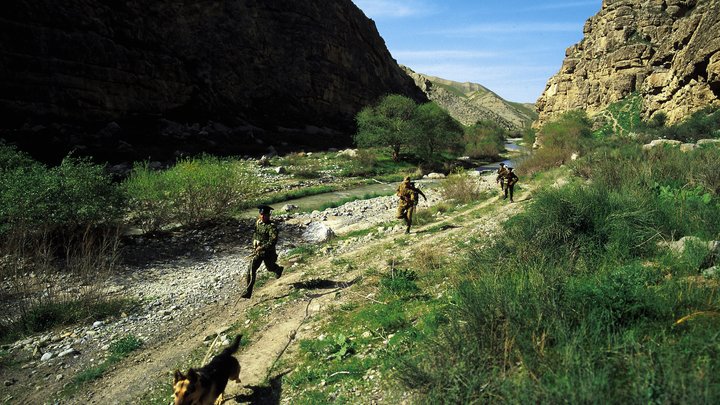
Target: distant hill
{"x": 471, "y": 102}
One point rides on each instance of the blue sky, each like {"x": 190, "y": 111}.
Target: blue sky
{"x": 511, "y": 47}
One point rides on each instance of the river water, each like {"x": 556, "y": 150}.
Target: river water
{"x": 515, "y": 150}
{"x": 316, "y": 201}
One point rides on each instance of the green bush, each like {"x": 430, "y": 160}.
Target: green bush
{"x": 46, "y": 315}
{"x": 485, "y": 140}
{"x": 192, "y": 191}
{"x": 570, "y": 133}
{"x": 460, "y": 187}
{"x": 75, "y": 194}
{"x": 399, "y": 283}
{"x": 703, "y": 124}
{"x": 364, "y": 163}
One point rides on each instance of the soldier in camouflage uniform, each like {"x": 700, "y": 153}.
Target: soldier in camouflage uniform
{"x": 501, "y": 172}
{"x": 415, "y": 194}
{"x": 510, "y": 180}
{"x": 264, "y": 241}
{"x": 403, "y": 191}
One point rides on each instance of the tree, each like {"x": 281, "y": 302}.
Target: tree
{"x": 485, "y": 139}
{"x": 389, "y": 124}
{"x": 436, "y": 131}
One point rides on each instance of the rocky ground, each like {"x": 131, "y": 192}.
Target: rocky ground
{"x": 187, "y": 283}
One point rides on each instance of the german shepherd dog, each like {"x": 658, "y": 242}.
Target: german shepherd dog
{"x": 205, "y": 386}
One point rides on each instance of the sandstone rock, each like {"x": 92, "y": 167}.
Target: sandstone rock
{"x": 666, "y": 51}
{"x": 435, "y": 176}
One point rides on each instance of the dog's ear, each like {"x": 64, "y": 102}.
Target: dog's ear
{"x": 178, "y": 376}
{"x": 192, "y": 375}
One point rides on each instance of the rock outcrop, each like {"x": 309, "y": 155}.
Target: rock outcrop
{"x": 471, "y": 102}
{"x": 119, "y": 75}
{"x": 667, "y": 51}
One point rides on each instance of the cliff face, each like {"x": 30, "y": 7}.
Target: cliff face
{"x": 189, "y": 65}
{"x": 470, "y": 102}
{"x": 667, "y": 51}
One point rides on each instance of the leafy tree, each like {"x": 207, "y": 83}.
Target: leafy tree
{"x": 485, "y": 139}
{"x": 389, "y": 124}
{"x": 436, "y": 131}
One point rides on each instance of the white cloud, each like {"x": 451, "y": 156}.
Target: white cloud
{"x": 511, "y": 28}
{"x": 394, "y": 8}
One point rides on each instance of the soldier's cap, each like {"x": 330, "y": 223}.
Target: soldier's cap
{"x": 502, "y": 164}
{"x": 407, "y": 178}
{"x": 509, "y": 168}
{"x": 265, "y": 209}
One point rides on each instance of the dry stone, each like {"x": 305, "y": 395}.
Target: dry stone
{"x": 668, "y": 52}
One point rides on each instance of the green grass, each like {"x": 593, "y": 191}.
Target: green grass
{"x": 119, "y": 349}
{"x": 46, "y": 316}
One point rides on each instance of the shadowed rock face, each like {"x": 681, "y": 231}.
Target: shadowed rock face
{"x": 667, "y": 51}
{"x": 137, "y": 75}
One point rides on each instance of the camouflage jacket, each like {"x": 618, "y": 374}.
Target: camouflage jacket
{"x": 511, "y": 178}
{"x": 501, "y": 172}
{"x": 265, "y": 235}
{"x": 404, "y": 191}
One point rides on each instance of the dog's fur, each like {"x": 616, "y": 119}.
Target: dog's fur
{"x": 205, "y": 386}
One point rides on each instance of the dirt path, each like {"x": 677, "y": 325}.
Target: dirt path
{"x": 292, "y": 301}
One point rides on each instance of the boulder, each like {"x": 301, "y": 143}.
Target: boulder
{"x": 317, "y": 232}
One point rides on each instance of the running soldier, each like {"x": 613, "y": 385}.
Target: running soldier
{"x": 510, "y": 180}
{"x": 264, "y": 240}
{"x": 501, "y": 172}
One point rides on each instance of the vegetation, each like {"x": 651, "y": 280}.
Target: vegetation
{"x": 60, "y": 220}
{"x": 193, "y": 191}
{"x": 397, "y": 122}
{"x": 389, "y": 124}
{"x": 485, "y": 140}
{"x": 118, "y": 350}
{"x": 570, "y": 134}
{"x": 436, "y": 132}
{"x": 704, "y": 124}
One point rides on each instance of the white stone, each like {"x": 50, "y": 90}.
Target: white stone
{"x": 47, "y": 356}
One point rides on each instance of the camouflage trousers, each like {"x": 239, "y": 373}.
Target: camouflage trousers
{"x": 269, "y": 257}
{"x": 403, "y": 211}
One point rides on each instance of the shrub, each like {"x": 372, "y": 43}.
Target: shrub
{"x": 193, "y": 191}
{"x": 436, "y": 132}
{"x": 485, "y": 139}
{"x": 702, "y": 124}
{"x": 561, "y": 138}
{"x": 399, "y": 282}
{"x": 460, "y": 187}
{"x": 73, "y": 195}
{"x": 388, "y": 124}
{"x": 364, "y": 163}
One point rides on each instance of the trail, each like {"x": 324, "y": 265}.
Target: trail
{"x": 291, "y": 302}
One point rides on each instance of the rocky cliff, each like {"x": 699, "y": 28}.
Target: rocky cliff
{"x": 470, "y": 102}
{"x": 152, "y": 77}
{"x": 667, "y": 51}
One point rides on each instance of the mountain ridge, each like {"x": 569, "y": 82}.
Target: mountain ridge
{"x": 470, "y": 102}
